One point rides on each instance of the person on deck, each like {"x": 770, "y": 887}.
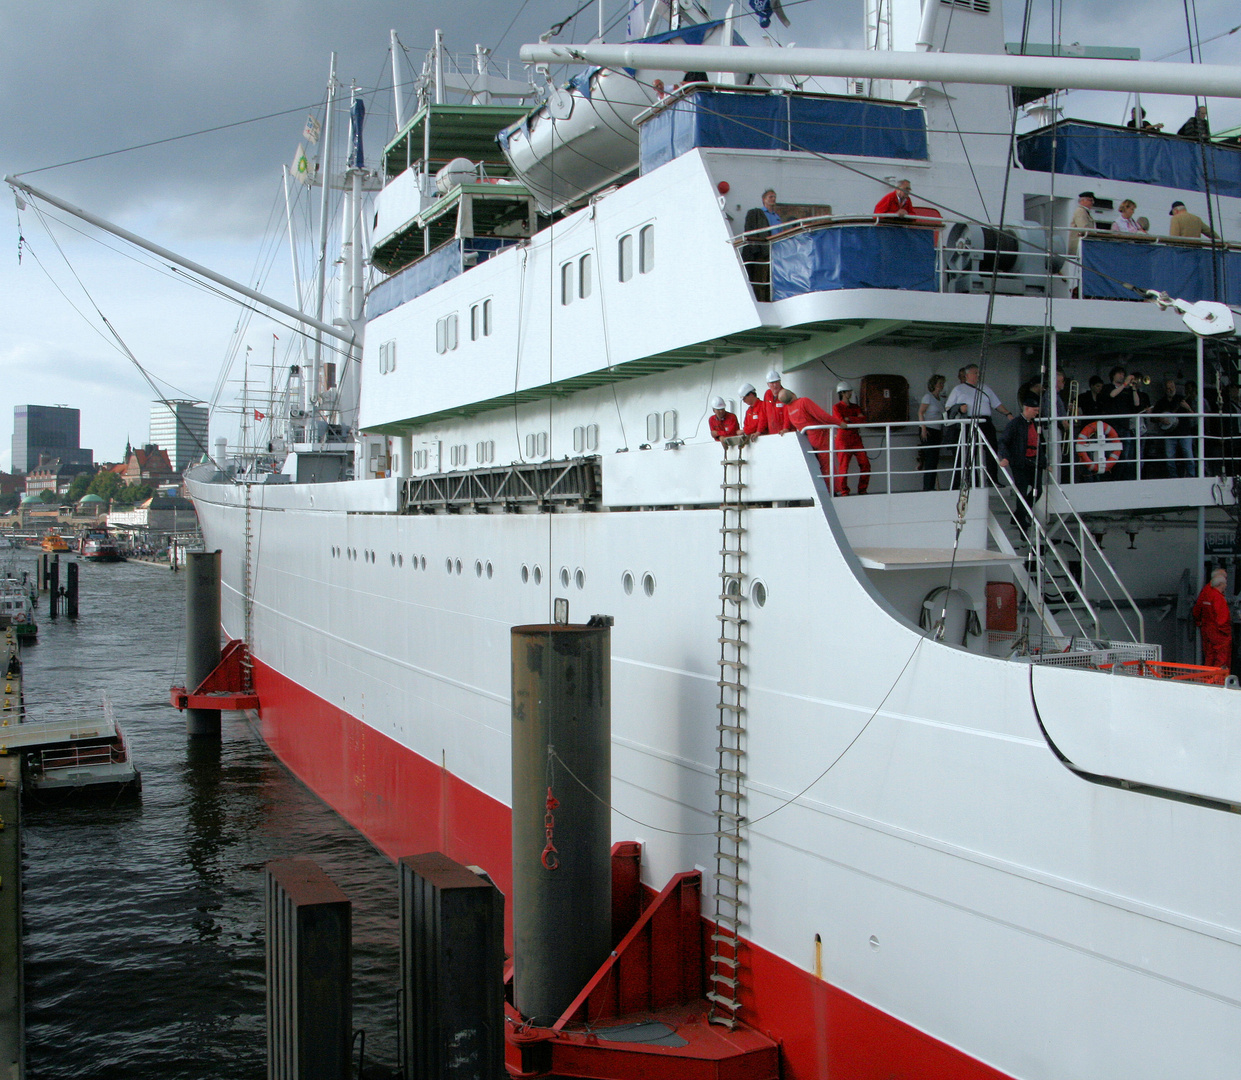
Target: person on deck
{"x": 1187, "y": 226}
{"x": 1021, "y": 452}
{"x": 803, "y": 413}
{"x": 756, "y": 254}
{"x": 849, "y": 442}
{"x": 896, "y": 201}
{"x": 975, "y": 400}
{"x": 1197, "y": 126}
{"x": 1126, "y": 223}
{"x": 723, "y": 424}
{"x": 776, "y": 422}
{"x": 1145, "y": 124}
{"x": 755, "y": 412}
{"x": 1215, "y": 621}
{"x": 930, "y": 420}
{"x": 1081, "y": 223}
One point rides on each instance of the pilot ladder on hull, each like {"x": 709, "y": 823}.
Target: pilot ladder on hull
{"x": 725, "y": 975}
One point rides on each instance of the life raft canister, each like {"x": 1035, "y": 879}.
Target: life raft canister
{"x": 1099, "y": 446}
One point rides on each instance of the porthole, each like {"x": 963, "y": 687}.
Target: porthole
{"x": 758, "y": 593}
{"x": 627, "y": 583}
{"x": 579, "y": 578}
{"x": 400, "y": 559}
{"x": 490, "y": 569}
{"x": 457, "y": 566}
{"x": 538, "y": 575}
{"x": 448, "y": 566}
{"x": 564, "y": 577}
{"x": 478, "y": 568}
{"x": 424, "y": 562}
{"x": 733, "y": 588}
{"x": 392, "y": 558}
{"x": 648, "y": 584}
{"x": 525, "y": 574}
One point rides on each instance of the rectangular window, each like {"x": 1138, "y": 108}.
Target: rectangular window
{"x": 624, "y": 257}
{"x": 579, "y": 439}
{"x": 652, "y": 427}
{"x": 566, "y": 283}
{"x": 450, "y": 332}
{"x": 486, "y": 318}
{"x": 440, "y": 336}
{"x": 592, "y": 437}
{"x": 646, "y": 249}
{"x": 584, "y": 283}
{"x": 476, "y": 322}
{"x": 670, "y": 424}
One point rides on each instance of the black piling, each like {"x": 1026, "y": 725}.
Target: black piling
{"x": 309, "y": 973}
{"x": 53, "y": 588}
{"x": 71, "y": 591}
{"x": 41, "y": 572}
{"x": 452, "y": 971}
{"x": 202, "y": 635}
{"x": 562, "y": 782}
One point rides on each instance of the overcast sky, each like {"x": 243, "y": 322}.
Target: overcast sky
{"x": 83, "y": 79}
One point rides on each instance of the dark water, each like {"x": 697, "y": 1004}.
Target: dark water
{"x": 144, "y": 920}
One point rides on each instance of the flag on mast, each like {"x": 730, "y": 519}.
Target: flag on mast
{"x": 302, "y": 168}
{"x": 258, "y": 415}
{"x": 312, "y": 129}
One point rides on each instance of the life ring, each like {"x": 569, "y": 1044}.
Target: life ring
{"x": 1099, "y": 446}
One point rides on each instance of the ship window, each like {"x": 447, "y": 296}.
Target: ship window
{"x": 646, "y": 249}
{"x": 529, "y": 446}
{"x": 478, "y": 568}
{"x": 583, "y": 276}
{"x": 592, "y": 436}
{"x": 387, "y": 357}
{"x": 627, "y": 583}
{"x": 448, "y": 565}
{"x": 564, "y": 577}
{"x": 486, "y": 318}
{"x": 579, "y": 578}
{"x": 648, "y": 584}
{"x": 525, "y": 574}
{"x": 490, "y": 569}
{"x": 538, "y": 575}
{"x": 579, "y": 439}
{"x": 450, "y": 332}
{"x": 566, "y": 283}
{"x": 476, "y": 321}
{"x": 670, "y": 424}
{"x": 440, "y": 336}
{"x": 541, "y": 444}
{"x": 624, "y": 256}
{"x": 758, "y": 593}
{"x": 652, "y": 427}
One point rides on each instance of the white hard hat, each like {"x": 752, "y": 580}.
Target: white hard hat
{"x": 773, "y": 375}
{"x": 717, "y": 403}
{"x": 746, "y": 388}
{"x": 842, "y": 386}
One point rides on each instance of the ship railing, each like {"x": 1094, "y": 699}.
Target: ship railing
{"x": 573, "y": 481}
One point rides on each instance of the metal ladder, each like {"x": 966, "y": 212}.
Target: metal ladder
{"x": 725, "y": 959}
{"x": 247, "y": 603}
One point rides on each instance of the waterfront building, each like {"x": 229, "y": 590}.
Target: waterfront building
{"x": 50, "y": 431}
{"x": 53, "y": 474}
{"x": 180, "y": 427}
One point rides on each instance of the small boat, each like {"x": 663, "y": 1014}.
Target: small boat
{"x": 17, "y": 609}
{"x": 53, "y": 541}
{"x": 99, "y": 547}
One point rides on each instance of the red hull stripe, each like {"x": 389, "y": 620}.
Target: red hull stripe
{"x": 405, "y": 804}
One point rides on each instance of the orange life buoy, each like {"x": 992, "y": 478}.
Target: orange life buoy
{"x": 1099, "y": 446}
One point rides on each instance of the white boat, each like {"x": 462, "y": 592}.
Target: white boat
{"x": 953, "y": 836}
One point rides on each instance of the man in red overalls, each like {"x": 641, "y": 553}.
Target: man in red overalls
{"x": 777, "y": 423}
{"x": 801, "y": 412}
{"x": 722, "y": 422}
{"x": 755, "y": 413}
{"x": 849, "y": 442}
{"x": 1215, "y": 621}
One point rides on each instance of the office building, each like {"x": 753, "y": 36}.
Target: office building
{"x": 180, "y": 427}
{"x": 51, "y": 432}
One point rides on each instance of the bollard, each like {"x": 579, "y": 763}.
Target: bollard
{"x": 562, "y": 871}
{"x": 452, "y": 971}
{"x": 71, "y": 591}
{"x": 53, "y": 588}
{"x": 309, "y": 973}
{"x": 202, "y": 635}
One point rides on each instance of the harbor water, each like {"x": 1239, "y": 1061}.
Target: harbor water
{"x": 144, "y": 939}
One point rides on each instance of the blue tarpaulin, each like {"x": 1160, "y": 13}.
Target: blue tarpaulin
{"x": 1182, "y": 271}
{"x": 434, "y": 269}
{"x": 1135, "y": 157}
{"x": 853, "y": 257}
{"x": 782, "y": 122}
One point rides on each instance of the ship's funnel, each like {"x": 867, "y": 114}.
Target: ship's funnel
{"x": 562, "y": 780}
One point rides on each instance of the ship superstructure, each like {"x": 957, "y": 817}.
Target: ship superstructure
{"x": 960, "y": 791}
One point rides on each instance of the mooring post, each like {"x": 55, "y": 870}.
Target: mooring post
{"x": 40, "y": 572}
{"x": 562, "y": 789}
{"x": 71, "y": 591}
{"x": 202, "y": 634}
{"x": 53, "y": 588}
{"x": 452, "y": 971}
{"x": 309, "y": 973}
